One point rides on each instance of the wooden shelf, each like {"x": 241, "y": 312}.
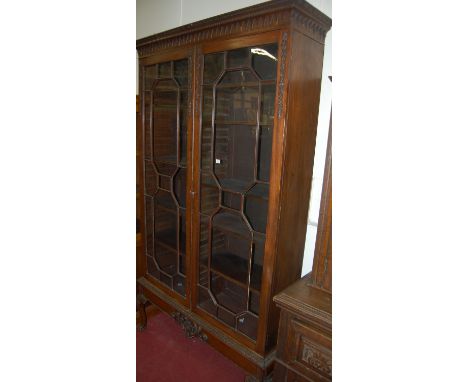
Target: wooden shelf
{"x": 237, "y": 187}
{"x": 168, "y": 239}
{"x": 229, "y": 122}
{"x": 235, "y": 269}
{"x": 234, "y": 185}
{"x": 241, "y": 84}
{"x": 171, "y": 160}
{"x": 232, "y": 223}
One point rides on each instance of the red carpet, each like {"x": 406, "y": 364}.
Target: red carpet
{"x": 163, "y": 353}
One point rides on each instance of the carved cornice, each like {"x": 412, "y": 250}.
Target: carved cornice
{"x": 261, "y": 17}
{"x": 312, "y": 26}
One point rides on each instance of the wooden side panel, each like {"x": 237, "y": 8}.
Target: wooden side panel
{"x": 301, "y": 108}
{"x": 322, "y": 268}
{"x": 140, "y": 266}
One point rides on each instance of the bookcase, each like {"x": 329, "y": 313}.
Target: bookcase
{"x": 229, "y": 111}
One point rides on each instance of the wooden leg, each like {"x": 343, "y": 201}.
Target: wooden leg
{"x": 142, "y": 312}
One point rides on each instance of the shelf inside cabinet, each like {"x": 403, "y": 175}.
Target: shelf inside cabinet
{"x": 234, "y": 185}
{"x": 231, "y": 300}
{"x": 235, "y": 268}
{"x": 232, "y": 223}
{"x": 170, "y": 159}
{"x": 168, "y": 239}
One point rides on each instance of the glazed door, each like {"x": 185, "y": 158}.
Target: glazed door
{"x": 166, "y": 91}
{"x": 238, "y": 88}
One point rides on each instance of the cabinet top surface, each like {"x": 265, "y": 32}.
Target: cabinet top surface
{"x": 268, "y": 15}
{"x": 302, "y": 295}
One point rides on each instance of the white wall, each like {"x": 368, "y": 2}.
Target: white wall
{"x": 154, "y": 16}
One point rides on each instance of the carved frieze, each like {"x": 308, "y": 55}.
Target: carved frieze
{"x": 259, "y": 18}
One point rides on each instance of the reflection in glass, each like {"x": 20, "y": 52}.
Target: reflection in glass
{"x": 264, "y": 61}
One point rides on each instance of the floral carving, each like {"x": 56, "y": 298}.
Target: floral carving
{"x": 284, "y": 41}
{"x": 191, "y": 329}
{"x": 316, "y": 359}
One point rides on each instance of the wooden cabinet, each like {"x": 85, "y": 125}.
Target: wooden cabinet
{"x": 304, "y": 349}
{"x": 305, "y": 333}
{"x": 229, "y": 111}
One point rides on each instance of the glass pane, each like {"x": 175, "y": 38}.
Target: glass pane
{"x": 264, "y": 61}
{"x": 164, "y": 199}
{"x": 179, "y": 284}
{"x": 206, "y": 135}
{"x": 149, "y": 232}
{"x": 264, "y": 150}
{"x": 228, "y": 295}
{"x": 181, "y": 72}
{"x": 204, "y": 250}
{"x": 231, "y": 222}
{"x": 235, "y": 156}
{"x": 147, "y": 112}
{"x": 213, "y": 65}
{"x": 230, "y": 257}
{"x": 165, "y": 99}
{"x": 258, "y": 252}
{"x": 247, "y": 324}
{"x": 237, "y": 100}
{"x": 267, "y": 109}
{"x": 256, "y": 208}
{"x": 164, "y": 70}
{"x": 183, "y": 127}
{"x": 166, "y": 113}
{"x": 205, "y": 301}
{"x": 237, "y": 78}
{"x": 151, "y": 73}
{"x": 151, "y": 184}
{"x": 165, "y": 260}
{"x": 207, "y": 104}
{"x": 232, "y": 200}
{"x": 165, "y": 182}
{"x": 180, "y": 186}
{"x": 238, "y": 57}
{"x": 209, "y": 194}
{"x": 235, "y": 165}
{"x": 182, "y": 241}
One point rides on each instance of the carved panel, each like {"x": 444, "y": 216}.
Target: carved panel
{"x": 309, "y": 350}
{"x": 190, "y": 328}
{"x": 311, "y": 356}
{"x": 284, "y": 43}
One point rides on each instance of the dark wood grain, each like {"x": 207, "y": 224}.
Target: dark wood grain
{"x": 276, "y": 209}
{"x": 322, "y": 266}
{"x": 304, "y": 349}
{"x": 300, "y": 129}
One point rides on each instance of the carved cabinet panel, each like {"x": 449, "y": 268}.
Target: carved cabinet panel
{"x": 229, "y": 115}
{"x": 304, "y": 340}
